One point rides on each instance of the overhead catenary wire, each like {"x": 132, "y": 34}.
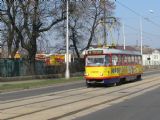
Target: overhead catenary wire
{"x": 138, "y": 14}
{"x": 146, "y": 33}
{"x": 141, "y": 18}
{"x": 147, "y": 36}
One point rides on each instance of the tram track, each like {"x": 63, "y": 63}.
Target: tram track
{"x": 65, "y": 91}
{"x": 80, "y": 100}
{"x": 48, "y": 99}
{"x": 146, "y": 75}
{"x": 39, "y": 96}
{"x": 59, "y": 97}
{"x": 108, "y": 101}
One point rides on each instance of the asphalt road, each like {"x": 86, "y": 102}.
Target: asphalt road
{"x": 51, "y": 89}
{"x": 144, "y": 107}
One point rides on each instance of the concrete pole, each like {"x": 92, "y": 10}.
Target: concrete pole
{"x": 67, "y": 73}
{"x": 124, "y": 38}
{"x": 104, "y": 23}
{"x": 141, "y": 30}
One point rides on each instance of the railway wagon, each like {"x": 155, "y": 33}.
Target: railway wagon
{"x": 112, "y": 66}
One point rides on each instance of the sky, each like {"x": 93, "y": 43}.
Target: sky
{"x": 129, "y": 12}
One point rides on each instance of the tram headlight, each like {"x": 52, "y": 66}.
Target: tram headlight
{"x": 86, "y": 74}
{"x": 101, "y": 74}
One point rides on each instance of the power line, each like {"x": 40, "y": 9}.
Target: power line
{"x": 138, "y": 14}
{"x": 135, "y": 29}
{"x": 146, "y": 34}
{"x": 148, "y": 20}
{"x": 131, "y": 27}
{"x": 128, "y": 8}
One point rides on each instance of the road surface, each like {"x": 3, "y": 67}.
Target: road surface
{"x": 86, "y": 103}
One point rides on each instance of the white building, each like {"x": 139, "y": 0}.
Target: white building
{"x": 151, "y": 58}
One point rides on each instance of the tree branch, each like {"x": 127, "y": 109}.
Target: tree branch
{"x": 52, "y": 24}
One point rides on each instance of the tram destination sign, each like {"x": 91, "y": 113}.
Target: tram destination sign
{"x": 95, "y": 52}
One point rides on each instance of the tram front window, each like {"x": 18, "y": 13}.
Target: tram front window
{"x": 95, "y": 60}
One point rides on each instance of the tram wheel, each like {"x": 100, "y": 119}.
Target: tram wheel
{"x": 118, "y": 83}
{"x": 139, "y": 77}
{"x": 88, "y": 85}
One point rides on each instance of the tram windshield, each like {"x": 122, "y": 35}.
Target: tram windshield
{"x": 99, "y": 60}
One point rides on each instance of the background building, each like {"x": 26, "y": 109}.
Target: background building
{"x": 152, "y": 58}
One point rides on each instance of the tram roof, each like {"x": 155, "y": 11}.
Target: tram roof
{"x": 114, "y": 51}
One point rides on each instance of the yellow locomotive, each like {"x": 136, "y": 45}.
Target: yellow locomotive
{"x": 112, "y": 66}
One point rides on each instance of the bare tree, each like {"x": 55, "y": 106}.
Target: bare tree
{"x": 76, "y": 11}
{"x": 9, "y": 35}
{"x": 96, "y": 16}
{"x": 76, "y": 24}
{"x": 26, "y": 21}
{"x": 84, "y": 19}
{"x": 33, "y": 17}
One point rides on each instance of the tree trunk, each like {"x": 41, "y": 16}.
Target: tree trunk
{"x": 32, "y": 67}
{"x": 74, "y": 43}
{"x": 9, "y": 52}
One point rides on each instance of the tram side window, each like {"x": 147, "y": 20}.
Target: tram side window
{"x": 107, "y": 60}
{"x": 133, "y": 59}
{"x": 119, "y": 60}
{"x": 136, "y": 60}
{"x": 140, "y": 59}
{"x": 125, "y": 60}
{"x": 114, "y": 59}
{"x": 122, "y": 59}
{"x": 129, "y": 59}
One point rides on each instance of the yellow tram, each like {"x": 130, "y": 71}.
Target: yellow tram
{"x": 112, "y": 66}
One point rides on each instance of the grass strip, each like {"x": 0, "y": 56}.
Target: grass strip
{"x": 36, "y": 83}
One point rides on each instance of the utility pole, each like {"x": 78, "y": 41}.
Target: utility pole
{"x": 141, "y": 30}
{"x": 124, "y": 38}
{"x": 104, "y": 21}
{"x": 67, "y": 73}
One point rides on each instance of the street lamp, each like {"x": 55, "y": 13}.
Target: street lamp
{"x": 67, "y": 73}
{"x": 141, "y": 32}
{"x": 151, "y": 11}
{"x": 124, "y": 38}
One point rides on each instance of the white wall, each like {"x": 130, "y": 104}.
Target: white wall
{"x": 154, "y": 58}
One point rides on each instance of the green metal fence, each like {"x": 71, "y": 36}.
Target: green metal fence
{"x": 19, "y": 67}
